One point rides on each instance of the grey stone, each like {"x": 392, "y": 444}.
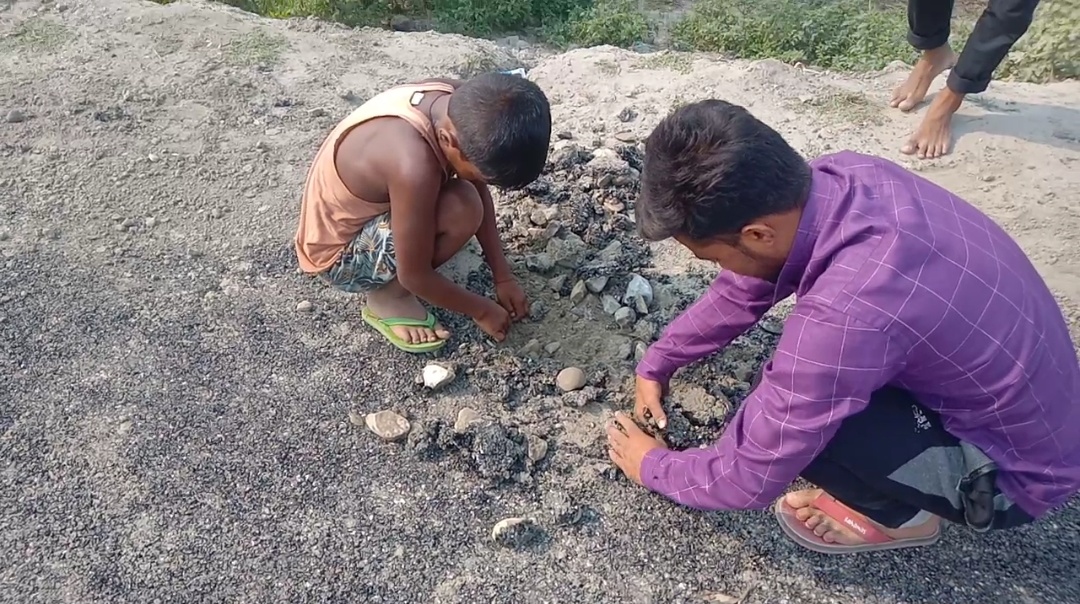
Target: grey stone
{"x": 557, "y": 282}
{"x": 536, "y": 448}
{"x": 543, "y": 215}
{"x": 356, "y": 419}
{"x": 14, "y": 116}
{"x": 466, "y": 418}
{"x": 539, "y": 263}
{"x": 577, "y": 295}
{"x": 625, "y": 317}
{"x": 596, "y": 284}
{"x": 645, "y": 330}
{"x": 610, "y": 304}
{"x": 612, "y": 252}
{"x": 580, "y": 398}
{"x": 304, "y": 306}
{"x": 638, "y": 286}
{"x": 531, "y": 347}
{"x": 566, "y": 252}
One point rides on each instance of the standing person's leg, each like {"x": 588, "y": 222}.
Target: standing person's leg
{"x": 929, "y": 26}
{"x": 998, "y": 28}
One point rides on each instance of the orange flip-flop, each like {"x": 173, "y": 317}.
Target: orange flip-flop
{"x": 875, "y": 539}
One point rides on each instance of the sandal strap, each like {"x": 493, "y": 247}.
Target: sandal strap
{"x": 428, "y": 322}
{"x": 832, "y": 508}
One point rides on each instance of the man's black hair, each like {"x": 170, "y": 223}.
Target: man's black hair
{"x": 711, "y": 168}
{"x": 503, "y": 125}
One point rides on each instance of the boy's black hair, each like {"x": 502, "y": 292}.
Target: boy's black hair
{"x": 711, "y": 168}
{"x": 503, "y": 125}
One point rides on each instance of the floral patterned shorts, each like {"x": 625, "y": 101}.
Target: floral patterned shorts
{"x": 368, "y": 261}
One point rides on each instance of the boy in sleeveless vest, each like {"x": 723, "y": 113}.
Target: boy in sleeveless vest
{"x": 399, "y": 187}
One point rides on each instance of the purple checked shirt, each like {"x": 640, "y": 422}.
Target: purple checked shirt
{"x": 898, "y": 282}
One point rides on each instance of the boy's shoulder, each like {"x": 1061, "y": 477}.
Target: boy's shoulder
{"x": 395, "y": 146}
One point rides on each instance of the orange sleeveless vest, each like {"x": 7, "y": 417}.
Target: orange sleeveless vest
{"x": 330, "y": 215}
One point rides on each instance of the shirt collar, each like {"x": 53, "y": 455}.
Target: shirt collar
{"x": 824, "y": 187}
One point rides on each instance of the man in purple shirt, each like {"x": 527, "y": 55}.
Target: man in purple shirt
{"x": 925, "y": 371}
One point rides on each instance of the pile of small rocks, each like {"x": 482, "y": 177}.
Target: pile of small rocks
{"x": 574, "y": 228}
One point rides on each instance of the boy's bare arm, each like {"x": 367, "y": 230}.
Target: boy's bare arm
{"x": 414, "y": 191}
{"x": 489, "y": 238}
{"x": 507, "y": 290}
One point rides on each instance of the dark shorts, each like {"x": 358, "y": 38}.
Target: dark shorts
{"x": 368, "y": 262}
{"x": 895, "y": 459}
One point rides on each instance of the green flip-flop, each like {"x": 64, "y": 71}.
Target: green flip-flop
{"x": 384, "y": 326}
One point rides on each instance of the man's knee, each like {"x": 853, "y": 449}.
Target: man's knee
{"x": 460, "y": 208}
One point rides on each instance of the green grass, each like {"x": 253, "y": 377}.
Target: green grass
{"x": 256, "y": 48}
{"x": 37, "y": 35}
{"x": 1051, "y": 48}
{"x": 678, "y": 62}
{"x": 833, "y": 34}
{"x": 842, "y": 107}
{"x": 843, "y": 35}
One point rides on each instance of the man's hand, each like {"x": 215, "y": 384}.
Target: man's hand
{"x": 493, "y": 319}
{"x": 648, "y": 396}
{"x": 628, "y": 445}
{"x": 512, "y": 298}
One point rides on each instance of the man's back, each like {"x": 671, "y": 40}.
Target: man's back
{"x": 985, "y": 343}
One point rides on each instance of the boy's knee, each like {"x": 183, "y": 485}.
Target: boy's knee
{"x": 460, "y": 207}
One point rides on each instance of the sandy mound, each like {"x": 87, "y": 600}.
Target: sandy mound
{"x": 182, "y": 414}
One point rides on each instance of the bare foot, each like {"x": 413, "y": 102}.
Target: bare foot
{"x": 934, "y": 136}
{"x": 912, "y": 92}
{"x": 831, "y": 531}
{"x": 395, "y": 302}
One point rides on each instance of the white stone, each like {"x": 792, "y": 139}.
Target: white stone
{"x": 437, "y": 375}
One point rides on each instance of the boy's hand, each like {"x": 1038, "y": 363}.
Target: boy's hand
{"x": 512, "y": 298}
{"x": 494, "y": 320}
{"x": 648, "y": 396}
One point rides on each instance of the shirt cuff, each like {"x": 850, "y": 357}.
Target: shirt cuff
{"x": 654, "y": 366}
{"x": 653, "y": 469}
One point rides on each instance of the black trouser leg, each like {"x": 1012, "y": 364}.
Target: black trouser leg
{"x": 896, "y": 458}
{"x": 928, "y": 23}
{"x": 998, "y": 28}
{"x": 894, "y": 439}
{"x": 888, "y": 461}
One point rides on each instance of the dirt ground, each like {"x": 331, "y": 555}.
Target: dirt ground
{"x": 178, "y": 406}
